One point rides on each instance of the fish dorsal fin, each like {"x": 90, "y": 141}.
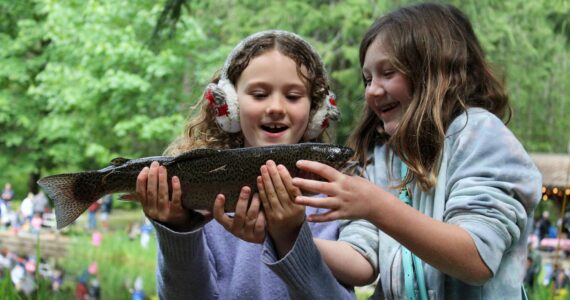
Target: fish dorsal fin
{"x": 119, "y": 161}
{"x": 196, "y": 154}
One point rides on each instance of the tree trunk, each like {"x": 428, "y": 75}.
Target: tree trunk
{"x": 32, "y": 182}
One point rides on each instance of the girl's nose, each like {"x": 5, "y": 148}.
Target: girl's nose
{"x": 374, "y": 89}
{"x": 276, "y": 105}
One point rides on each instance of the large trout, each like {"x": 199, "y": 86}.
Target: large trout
{"x": 203, "y": 173}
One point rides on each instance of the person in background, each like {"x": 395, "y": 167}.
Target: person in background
{"x": 543, "y": 226}
{"x": 560, "y": 280}
{"x": 106, "y": 208}
{"x": 133, "y": 230}
{"x": 92, "y": 214}
{"x": 57, "y": 279}
{"x": 27, "y": 208}
{"x": 146, "y": 231}
{"x": 36, "y": 223}
{"x": 41, "y": 203}
{"x": 94, "y": 289}
{"x": 5, "y": 215}
{"x": 7, "y": 194}
{"x": 81, "y": 289}
{"x": 533, "y": 267}
{"x": 138, "y": 291}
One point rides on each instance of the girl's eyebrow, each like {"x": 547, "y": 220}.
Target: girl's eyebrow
{"x": 264, "y": 84}
{"x": 295, "y": 85}
{"x": 256, "y": 84}
{"x": 380, "y": 63}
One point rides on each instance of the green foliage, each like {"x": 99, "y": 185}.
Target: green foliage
{"x": 119, "y": 261}
{"x": 7, "y": 289}
{"x": 79, "y": 84}
{"x": 522, "y": 40}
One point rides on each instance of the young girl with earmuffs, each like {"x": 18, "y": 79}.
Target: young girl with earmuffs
{"x": 272, "y": 89}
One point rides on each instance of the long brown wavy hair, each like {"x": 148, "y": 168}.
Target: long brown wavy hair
{"x": 435, "y": 47}
{"x": 202, "y": 130}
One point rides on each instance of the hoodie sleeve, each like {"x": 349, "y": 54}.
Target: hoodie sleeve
{"x": 185, "y": 265}
{"x": 492, "y": 184}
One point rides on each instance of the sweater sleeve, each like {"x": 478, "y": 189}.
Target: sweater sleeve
{"x": 361, "y": 234}
{"x": 304, "y": 271}
{"x": 492, "y": 184}
{"x": 363, "y": 237}
{"x": 185, "y": 265}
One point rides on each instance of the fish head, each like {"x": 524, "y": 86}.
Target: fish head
{"x": 332, "y": 155}
{"x": 335, "y": 156}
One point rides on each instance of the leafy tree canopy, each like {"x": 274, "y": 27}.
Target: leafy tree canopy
{"x": 82, "y": 82}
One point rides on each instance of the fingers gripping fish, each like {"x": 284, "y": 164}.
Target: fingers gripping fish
{"x": 203, "y": 173}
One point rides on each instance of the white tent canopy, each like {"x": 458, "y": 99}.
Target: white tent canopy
{"x": 555, "y": 169}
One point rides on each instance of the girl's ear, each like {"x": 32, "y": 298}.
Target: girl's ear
{"x": 328, "y": 113}
{"x": 222, "y": 98}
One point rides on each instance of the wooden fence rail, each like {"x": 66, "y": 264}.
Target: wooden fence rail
{"x": 51, "y": 244}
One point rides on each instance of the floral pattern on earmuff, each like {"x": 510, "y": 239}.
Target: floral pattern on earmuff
{"x": 222, "y": 98}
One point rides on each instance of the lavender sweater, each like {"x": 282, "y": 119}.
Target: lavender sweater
{"x": 211, "y": 263}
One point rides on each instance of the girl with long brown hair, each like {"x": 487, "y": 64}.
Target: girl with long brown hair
{"x": 446, "y": 208}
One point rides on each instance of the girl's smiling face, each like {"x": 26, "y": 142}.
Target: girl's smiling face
{"x": 274, "y": 101}
{"x": 387, "y": 90}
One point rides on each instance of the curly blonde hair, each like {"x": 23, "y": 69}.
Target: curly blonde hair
{"x": 202, "y": 130}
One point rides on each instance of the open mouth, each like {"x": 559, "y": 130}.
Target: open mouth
{"x": 389, "y": 107}
{"x": 274, "y": 128}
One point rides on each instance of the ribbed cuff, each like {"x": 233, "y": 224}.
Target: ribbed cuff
{"x": 181, "y": 247}
{"x": 299, "y": 264}
{"x": 488, "y": 241}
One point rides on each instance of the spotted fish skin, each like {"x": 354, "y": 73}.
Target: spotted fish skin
{"x": 203, "y": 173}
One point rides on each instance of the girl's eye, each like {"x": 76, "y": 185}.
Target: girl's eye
{"x": 367, "y": 81}
{"x": 259, "y": 95}
{"x": 293, "y": 97}
{"x": 388, "y": 72}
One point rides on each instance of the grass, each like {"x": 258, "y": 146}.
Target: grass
{"x": 120, "y": 260}
{"x": 363, "y": 293}
{"x": 543, "y": 293}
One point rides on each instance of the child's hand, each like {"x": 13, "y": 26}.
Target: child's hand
{"x": 152, "y": 193}
{"x": 277, "y": 193}
{"x": 348, "y": 196}
{"x": 247, "y": 224}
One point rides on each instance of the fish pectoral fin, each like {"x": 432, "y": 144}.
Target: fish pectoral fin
{"x": 104, "y": 179}
{"x": 119, "y": 161}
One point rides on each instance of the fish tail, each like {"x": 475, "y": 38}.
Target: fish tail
{"x": 72, "y": 193}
